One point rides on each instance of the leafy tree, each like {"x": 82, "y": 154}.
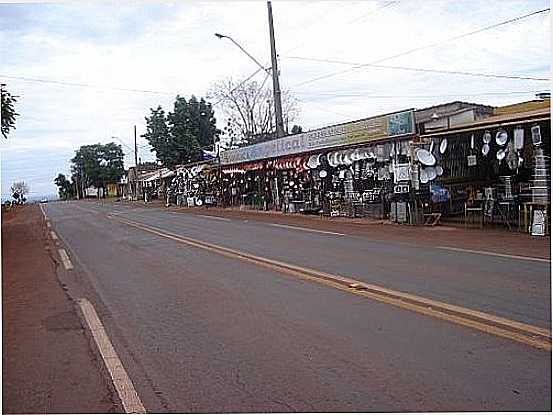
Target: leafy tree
{"x": 8, "y": 112}
{"x": 66, "y": 189}
{"x": 179, "y": 136}
{"x": 98, "y": 164}
{"x": 19, "y": 190}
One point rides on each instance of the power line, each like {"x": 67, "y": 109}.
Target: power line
{"x": 407, "y": 68}
{"x": 363, "y": 95}
{"x": 355, "y": 20}
{"x": 513, "y": 20}
{"x": 83, "y": 85}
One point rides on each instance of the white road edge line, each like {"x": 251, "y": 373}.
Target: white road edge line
{"x": 43, "y": 212}
{"x": 121, "y": 380}
{"x": 65, "y": 259}
{"x": 470, "y": 251}
{"x": 53, "y": 235}
{"x": 215, "y": 217}
{"x": 299, "y": 228}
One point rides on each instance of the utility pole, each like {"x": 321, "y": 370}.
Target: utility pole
{"x": 135, "y": 148}
{"x": 276, "y": 86}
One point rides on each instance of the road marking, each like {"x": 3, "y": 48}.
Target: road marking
{"x": 121, "y": 380}
{"x": 537, "y": 337}
{"x": 299, "y": 228}
{"x": 53, "y": 235}
{"x": 65, "y": 259}
{"x": 42, "y": 210}
{"x": 214, "y": 217}
{"x": 470, "y": 251}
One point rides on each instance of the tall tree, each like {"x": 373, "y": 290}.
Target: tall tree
{"x": 8, "y": 115}
{"x": 249, "y": 110}
{"x": 98, "y": 164}
{"x": 19, "y": 190}
{"x": 179, "y": 136}
{"x": 66, "y": 189}
{"x": 157, "y": 134}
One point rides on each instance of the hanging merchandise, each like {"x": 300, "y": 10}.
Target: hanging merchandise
{"x": 519, "y": 138}
{"x": 536, "y": 135}
{"x": 425, "y": 157}
{"x": 471, "y": 160}
{"x": 487, "y": 138}
{"x": 485, "y": 149}
{"x": 443, "y": 146}
{"x": 501, "y": 137}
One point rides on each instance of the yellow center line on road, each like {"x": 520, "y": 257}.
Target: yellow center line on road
{"x": 214, "y": 217}
{"x": 537, "y": 337}
{"x": 299, "y": 228}
{"x": 497, "y": 254}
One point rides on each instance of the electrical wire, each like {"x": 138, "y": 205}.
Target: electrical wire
{"x": 407, "y": 68}
{"x": 363, "y": 95}
{"x": 353, "y": 21}
{"x": 407, "y": 52}
{"x": 83, "y": 85}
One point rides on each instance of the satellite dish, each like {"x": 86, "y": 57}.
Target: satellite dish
{"x": 426, "y": 157}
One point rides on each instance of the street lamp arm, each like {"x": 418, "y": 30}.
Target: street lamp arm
{"x": 220, "y": 36}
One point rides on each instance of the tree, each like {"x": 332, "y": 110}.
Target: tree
{"x": 179, "y": 136}
{"x": 98, "y": 164}
{"x": 249, "y": 111}
{"x": 19, "y": 190}
{"x": 66, "y": 189}
{"x": 8, "y": 115}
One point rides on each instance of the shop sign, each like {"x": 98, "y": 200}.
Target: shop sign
{"x": 356, "y": 132}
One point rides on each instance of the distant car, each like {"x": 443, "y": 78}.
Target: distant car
{"x": 44, "y": 200}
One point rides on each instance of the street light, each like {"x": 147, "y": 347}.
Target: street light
{"x": 220, "y": 36}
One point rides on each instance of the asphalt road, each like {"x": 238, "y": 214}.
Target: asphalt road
{"x": 200, "y": 332}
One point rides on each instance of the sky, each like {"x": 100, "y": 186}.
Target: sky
{"x": 133, "y": 56}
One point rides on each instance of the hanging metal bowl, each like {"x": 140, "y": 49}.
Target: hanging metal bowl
{"x": 485, "y": 149}
{"x": 322, "y": 174}
{"x": 501, "y": 154}
{"x": 487, "y": 137}
{"x": 426, "y": 157}
{"x": 423, "y": 177}
{"x": 431, "y": 173}
{"x": 501, "y": 137}
{"x": 439, "y": 170}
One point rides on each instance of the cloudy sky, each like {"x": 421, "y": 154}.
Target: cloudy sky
{"x": 112, "y": 61}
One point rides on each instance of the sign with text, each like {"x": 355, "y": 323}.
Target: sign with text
{"x": 355, "y": 132}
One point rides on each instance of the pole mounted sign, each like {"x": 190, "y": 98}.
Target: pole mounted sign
{"x": 355, "y": 132}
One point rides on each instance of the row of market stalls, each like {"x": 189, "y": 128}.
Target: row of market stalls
{"x": 466, "y": 164}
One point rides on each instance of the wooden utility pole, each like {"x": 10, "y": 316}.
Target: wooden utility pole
{"x": 135, "y": 148}
{"x": 276, "y": 86}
